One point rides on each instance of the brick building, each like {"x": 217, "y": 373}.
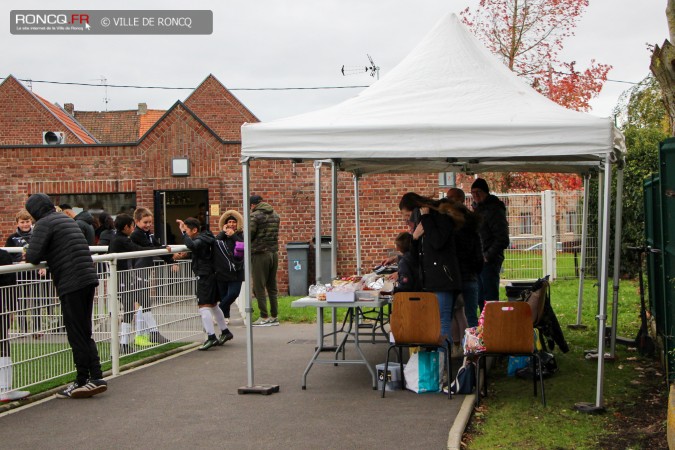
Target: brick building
{"x": 116, "y": 161}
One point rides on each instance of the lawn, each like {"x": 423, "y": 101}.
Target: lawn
{"x": 511, "y": 417}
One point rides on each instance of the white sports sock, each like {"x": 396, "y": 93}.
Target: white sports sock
{"x": 125, "y": 331}
{"x": 5, "y": 373}
{"x": 140, "y": 323}
{"x": 150, "y": 321}
{"x": 219, "y": 316}
{"x": 207, "y": 320}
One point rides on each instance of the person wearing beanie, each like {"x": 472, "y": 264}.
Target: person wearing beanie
{"x": 264, "y": 233}
{"x": 494, "y": 234}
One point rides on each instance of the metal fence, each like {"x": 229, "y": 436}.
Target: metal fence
{"x": 545, "y": 230}
{"x": 158, "y": 304}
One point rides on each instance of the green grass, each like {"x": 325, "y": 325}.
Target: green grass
{"x": 522, "y": 265}
{"x": 512, "y": 417}
{"x": 299, "y": 315}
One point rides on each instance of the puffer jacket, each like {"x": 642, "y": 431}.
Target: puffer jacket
{"x": 85, "y": 221}
{"x": 202, "y": 249}
{"x": 264, "y": 229}
{"x": 436, "y": 254}
{"x": 494, "y": 228}
{"x": 58, "y": 240}
{"x": 150, "y": 242}
{"x": 226, "y": 266}
{"x": 18, "y": 239}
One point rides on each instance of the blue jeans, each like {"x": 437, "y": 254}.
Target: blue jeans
{"x": 446, "y": 302}
{"x": 228, "y": 291}
{"x": 471, "y": 292}
{"x": 489, "y": 283}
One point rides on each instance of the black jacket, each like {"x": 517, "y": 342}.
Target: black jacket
{"x": 85, "y": 221}
{"x": 226, "y": 266}
{"x": 18, "y": 239}
{"x": 149, "y": 242}
{"x": 202, "y": 248}
{"x": 107, "y": 236}
{"x": 494, "y": 228}
{"x": 6, "y": 279}
{"x": 408, "y": 275}
{"x": 123, "y": 244}
{"x": 58, "y": 240}
{"x": 469, "y": 248}
{"x": 436, "y": 254}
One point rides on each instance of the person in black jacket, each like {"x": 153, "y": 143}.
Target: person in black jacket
{"x": 434, "y": 224}
{"x": 470, "y": 255}
{"x": 147, "y": 331}
{"x": 407, "y": 279}
{"x": 201, "y": 245}
{"x": 7, "y": 308}
{"x": 58, "y": 240}
{"x": 494, "y": 233}
{"x": 229, "y": 268}
{"x": 124, "y": 224}
{"x": 84, "y": 220}
{"x": 105, "y": 233}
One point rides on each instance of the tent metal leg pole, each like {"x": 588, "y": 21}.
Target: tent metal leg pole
{"x": 582, "y": 263}
{"x": 618, "y": 211}
{"x": 250, "y": 387}
{"x": 598, "y": 261}
{"x": 317, "y": 222}
{"x": 358, "y": 224}
{"x": 333, "y": 240}
{"x": 598, "y": 407}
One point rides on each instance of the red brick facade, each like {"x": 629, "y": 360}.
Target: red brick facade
{"x": 207, "y": 132}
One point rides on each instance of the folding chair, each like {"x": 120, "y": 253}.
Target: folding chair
{"x": 415, "y": 321}
{"x": 508, "y": 331}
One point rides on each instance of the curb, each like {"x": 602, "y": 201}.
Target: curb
{"x": 460, "y": 423}
{"x": 132, "y": 365}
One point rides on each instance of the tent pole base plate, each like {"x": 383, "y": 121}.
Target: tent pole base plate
{"x": 589, "y": 408}
{"x": 263, "y": 389}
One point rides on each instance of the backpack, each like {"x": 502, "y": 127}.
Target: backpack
{"x": 465, "y": 381}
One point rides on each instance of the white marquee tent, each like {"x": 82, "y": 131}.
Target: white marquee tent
{"x": 449, "y": 106}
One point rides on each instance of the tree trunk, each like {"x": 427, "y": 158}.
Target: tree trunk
{"x": 663, "y": 66}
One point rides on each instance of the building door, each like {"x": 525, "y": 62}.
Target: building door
{"x": 173, "y": 205}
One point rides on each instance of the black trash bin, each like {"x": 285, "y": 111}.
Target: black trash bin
{"x": 326, "y": 260}
{"x": 298, "y": 274}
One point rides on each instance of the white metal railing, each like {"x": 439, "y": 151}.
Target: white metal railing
{"x": 159, "y": 304}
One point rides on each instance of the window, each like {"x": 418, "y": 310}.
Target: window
{"x": 447, "y": 179}
{"x": 526, "y": 223}
{"x": 112, "y": 203}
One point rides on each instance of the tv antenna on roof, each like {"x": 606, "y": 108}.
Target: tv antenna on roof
{"x": 372, "y": 69}
{"x": 104, "y": 82}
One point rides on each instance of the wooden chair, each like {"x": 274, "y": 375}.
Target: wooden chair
{"x": 508, "y": 331}
{"x": 415, "y": 321}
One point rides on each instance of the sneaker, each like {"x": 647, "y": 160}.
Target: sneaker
{"x": 157, "y": 338}
{"x": 261, "y": 322}
{"x": 142, "y": 340}
{"x": 89, "y": 389}
{"x": 67, "y": 391}
{"x": 208, "y": 344}
{"x": 13, "y": 395}
{"x": 273, "y": 322}
{"x": 225, "y": 336}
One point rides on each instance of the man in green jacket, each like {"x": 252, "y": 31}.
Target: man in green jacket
{"x": 264, "y": 232}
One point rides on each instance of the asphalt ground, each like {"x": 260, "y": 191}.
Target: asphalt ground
{"x": 190, "y": 401}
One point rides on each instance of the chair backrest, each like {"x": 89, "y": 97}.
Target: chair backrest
{"x": 416, "y": 318}
{"x": 507, "y": 327}
{"x": 537, "y": 299}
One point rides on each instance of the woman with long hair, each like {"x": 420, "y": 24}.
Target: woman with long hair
{"x": 433, "y": 224}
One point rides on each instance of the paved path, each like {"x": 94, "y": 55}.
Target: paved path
{"x": 191, "y": 401}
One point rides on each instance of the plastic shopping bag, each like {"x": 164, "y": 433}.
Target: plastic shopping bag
{"x": 422, "y": 372}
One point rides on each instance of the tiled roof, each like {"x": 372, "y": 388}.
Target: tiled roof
{"x": 118, "y": 126}
{"x": 66, "y": 119}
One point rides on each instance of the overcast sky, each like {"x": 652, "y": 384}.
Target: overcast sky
{"x": 298, "y": 43}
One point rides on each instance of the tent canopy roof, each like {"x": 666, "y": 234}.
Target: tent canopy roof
{"x": 450, "y": 105}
